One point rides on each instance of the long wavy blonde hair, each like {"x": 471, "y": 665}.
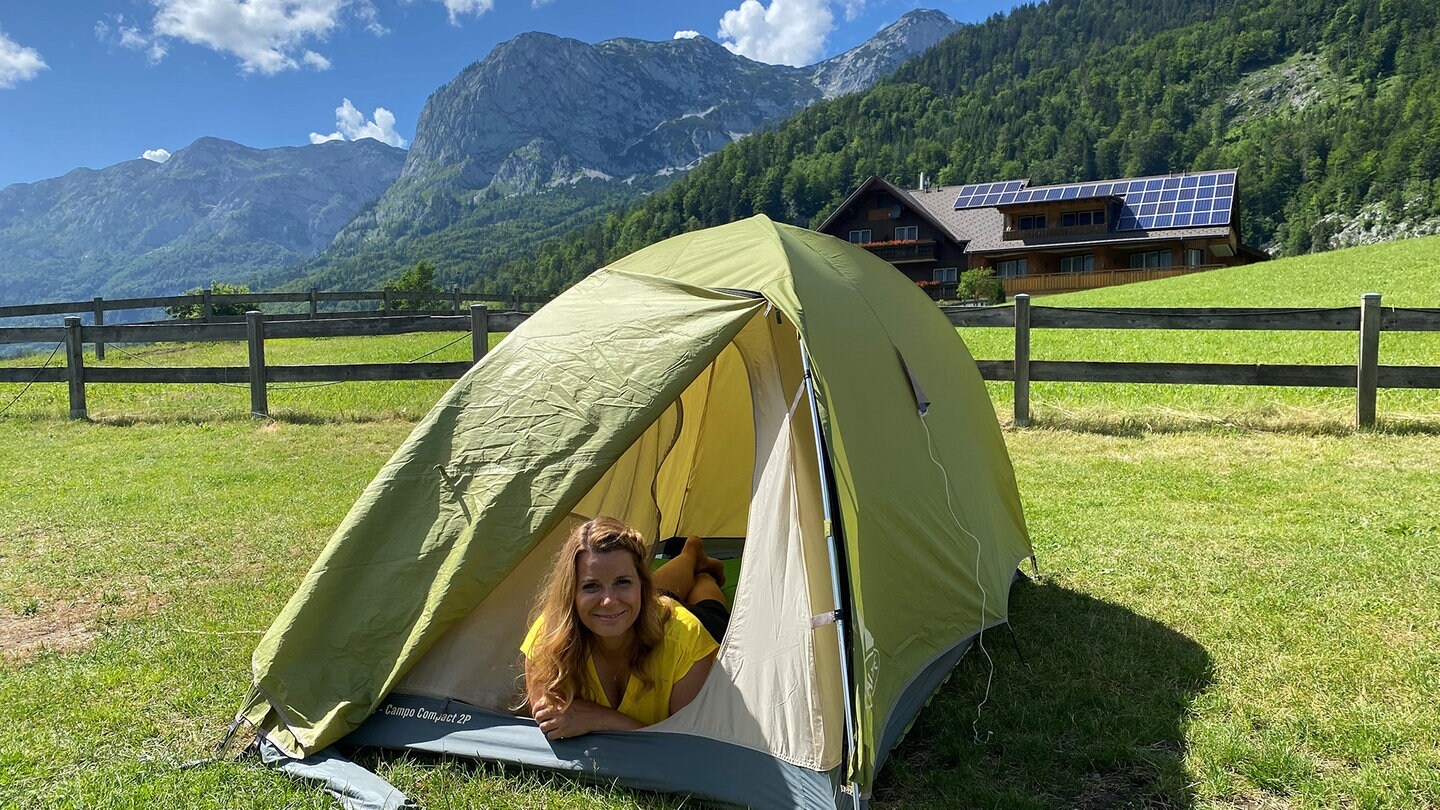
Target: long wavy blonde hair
{"x": 556, "y": 666}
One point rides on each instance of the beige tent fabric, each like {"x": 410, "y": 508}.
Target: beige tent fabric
{"x": 477, "y": 660}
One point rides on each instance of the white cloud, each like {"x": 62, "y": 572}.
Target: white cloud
{"x": 853, "y": 8}
{"x": 539, "y": 3}
{"x": 133, "y": 38}
{"x": 157, "y": 155}
{"x": 687, "y": 34}
{"x": 789, "y": 32}
{"x": 368, "y": 15}
{"x": 18, "y": 63}
{"x": 316, "y": 61}
{"x": 458, "y": 7}
{"x": 351, "y": 125}
{"x": 266, "y": 35}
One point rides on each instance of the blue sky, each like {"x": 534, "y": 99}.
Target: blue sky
{"x": 91, "y": 83}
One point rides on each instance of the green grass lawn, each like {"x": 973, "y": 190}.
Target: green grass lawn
{"x": 1228, "y": 617}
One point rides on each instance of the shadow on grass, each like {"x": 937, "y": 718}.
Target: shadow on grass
{"x": 1097, "y": 721}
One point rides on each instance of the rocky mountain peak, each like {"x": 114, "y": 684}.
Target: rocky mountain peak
{"x": 861, "y": 66}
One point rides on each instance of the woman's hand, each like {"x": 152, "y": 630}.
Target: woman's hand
{"x": 559, "y": 723}
{"x": 580, "y": 717}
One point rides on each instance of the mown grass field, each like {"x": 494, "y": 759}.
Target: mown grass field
{"x": 1406, "y": 274}
{"x": 1237, "y": 608}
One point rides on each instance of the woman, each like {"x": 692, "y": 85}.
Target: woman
{"x": 613, "y": 647}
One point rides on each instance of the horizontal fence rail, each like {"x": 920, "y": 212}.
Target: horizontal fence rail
{"x": 1366, "y": 376}
{"x": 454, "y": 299}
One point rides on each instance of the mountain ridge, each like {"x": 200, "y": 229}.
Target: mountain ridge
{"x": 140, "y": 227}
{"x": 494, "y": 130}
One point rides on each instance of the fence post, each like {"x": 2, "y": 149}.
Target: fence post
{"x": 385, "y": 301}
{"x": 1022, "y": 360}
{"x": 1367, "y": 370}
{"x": 314, "y": 303}
{"x": 99, "y": 321}
{"x": 207, "y": 310}
{"x": 75, "y": 367}
{"x": 455, "y": 299}
{"x": 255, "y": 327}
{"x": 479, "y": 331}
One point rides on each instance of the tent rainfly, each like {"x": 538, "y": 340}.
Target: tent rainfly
{"x": 754, "y": 381}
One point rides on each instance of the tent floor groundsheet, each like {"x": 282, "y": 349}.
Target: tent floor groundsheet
{"x": 658, "y": 761}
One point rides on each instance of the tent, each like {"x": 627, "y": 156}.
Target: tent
{"x": 753, "y": 381}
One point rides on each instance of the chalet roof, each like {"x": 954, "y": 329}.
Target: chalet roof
{"x": 984, "y": 227}
{"x": 900, "y": 194}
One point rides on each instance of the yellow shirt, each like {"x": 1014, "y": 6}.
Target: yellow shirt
{"x": 686, "y": 641}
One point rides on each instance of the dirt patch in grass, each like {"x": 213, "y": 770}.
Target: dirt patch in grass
{"x": 64, "y": 626}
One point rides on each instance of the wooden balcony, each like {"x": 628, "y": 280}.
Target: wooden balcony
{"x": 902, "y": 252}
{"x": 1047, "y": 283}
{"x": 1044, "y": 233}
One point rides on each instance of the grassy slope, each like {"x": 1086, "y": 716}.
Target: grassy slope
{"x": 1228, "y": 619}
{"x": 1405, "y": 273}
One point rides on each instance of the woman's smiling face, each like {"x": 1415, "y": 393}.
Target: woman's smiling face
{"x": 607, "y": 592}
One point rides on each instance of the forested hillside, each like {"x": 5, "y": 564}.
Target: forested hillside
{"x": 1330, "y": 109}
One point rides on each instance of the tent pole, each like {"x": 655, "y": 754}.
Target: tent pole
{"x": 832, "y": 545}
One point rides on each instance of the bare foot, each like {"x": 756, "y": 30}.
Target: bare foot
{"x": 704, "y": 563}
{"x": 694, "y": 545}
{"x": 715, "y": 568}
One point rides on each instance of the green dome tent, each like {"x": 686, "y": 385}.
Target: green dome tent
{"x": 679, "y": 389}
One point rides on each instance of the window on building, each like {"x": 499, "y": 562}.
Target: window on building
{"x": 1012, "y": 267}
{"x": 1070, "y": 219}
{"x": 860, "y": 237}
{"x": 1032, "y": 222}
{"x": 942, "y": 275}
{"x": 910, "y": 232}
{"x": 1084, "y": 263}
{"x": 1150, "y": 258}
{"x": 1194, "y": 257}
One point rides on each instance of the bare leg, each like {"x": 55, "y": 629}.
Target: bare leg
{"x": 705, "y": 588}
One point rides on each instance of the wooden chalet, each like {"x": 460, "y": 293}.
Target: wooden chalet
{"x": 1049, "y": 239}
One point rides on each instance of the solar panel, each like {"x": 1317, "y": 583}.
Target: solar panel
{"x": 1193, "y": 200}
{"x": 978, "y": 195}
{"x": 1204, "y": 199}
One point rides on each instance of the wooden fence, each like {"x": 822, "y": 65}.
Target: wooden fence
{"x": 1365, "y": 376}
{"x": 254, "y": 330}
{"x": 207, "y": 301}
